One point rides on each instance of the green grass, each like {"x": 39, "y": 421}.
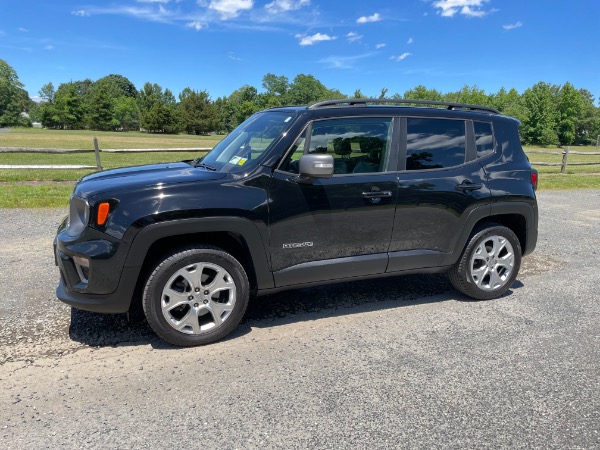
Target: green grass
{"x": 565, "y": 181}
{"x": 17, "y": 195}
{"x": 83, "y": 139}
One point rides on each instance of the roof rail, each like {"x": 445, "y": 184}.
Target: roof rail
{"x": 365, "y": 101}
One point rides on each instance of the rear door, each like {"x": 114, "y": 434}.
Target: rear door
{"x": 440, "y": 184}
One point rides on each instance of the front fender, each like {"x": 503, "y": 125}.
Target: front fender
{"x": 245, "y": 228}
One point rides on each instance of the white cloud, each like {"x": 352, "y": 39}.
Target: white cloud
{"x": 366, "y": 19}
{"x": 469, "y": 8}
{"x": 380, "y": 45}
{"x": 401, "y": 57}
{"x": 281, "y": 6}
{"x": 311, "y": 40}
{"x": 344, "y": 62}
{"x": 195, "y": 25}
{"x": 80, "y": 13}
{"x": 233, "y": 57}
{"x": 410, "y": 41}
{"x": 229, "y": 9}
{"x": 23, "y": 30}
{"x": 153, "y": 1}
{"x": 49, "y": 47}
{"x": 353, "y": 37}
{"x": 512, "y": 26}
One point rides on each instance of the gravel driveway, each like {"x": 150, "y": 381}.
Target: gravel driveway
{"x": 402, "y": 362}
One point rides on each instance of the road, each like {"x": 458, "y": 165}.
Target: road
{"x": 402, "y": 362}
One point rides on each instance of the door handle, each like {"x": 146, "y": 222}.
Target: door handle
{"x": 377, "y": 194}
{"x": 468, "y": 185}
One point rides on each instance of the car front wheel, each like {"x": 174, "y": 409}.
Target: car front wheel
{"x": 196, "y": 296}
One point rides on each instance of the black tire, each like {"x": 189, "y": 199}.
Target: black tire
{"x": 489, "y": 264}
{"x": 196, "y": 296}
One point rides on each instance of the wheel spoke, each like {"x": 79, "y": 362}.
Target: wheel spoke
{"x": 175, "y": 299}
{"x": 193, "y": 275}
{"x": 189, "y": 320}
{"x": 495, "y": 279}
{"x": 479, "y": 274}
{"x": 218, "y": 309}
{"x": 221, "y": 282}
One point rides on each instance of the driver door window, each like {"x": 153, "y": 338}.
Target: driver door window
{"x": 358, "y": 145}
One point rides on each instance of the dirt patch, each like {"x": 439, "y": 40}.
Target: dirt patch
{"x": 537, "y": 263}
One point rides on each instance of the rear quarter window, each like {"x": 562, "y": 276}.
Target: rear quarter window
{"x": 484, "y": 138}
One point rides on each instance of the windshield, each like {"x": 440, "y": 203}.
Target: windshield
{"x": 245, "y": 146}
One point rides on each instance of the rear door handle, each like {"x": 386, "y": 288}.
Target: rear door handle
{"x": 377, "y": 194}
{"x": 468, "y": 185}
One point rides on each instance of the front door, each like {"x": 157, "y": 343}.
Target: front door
{"x": 338, "y": 227}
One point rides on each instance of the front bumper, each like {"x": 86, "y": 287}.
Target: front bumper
{"x": 107, "y": 285}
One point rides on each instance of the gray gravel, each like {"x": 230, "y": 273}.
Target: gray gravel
{"x": 402, "y": 362}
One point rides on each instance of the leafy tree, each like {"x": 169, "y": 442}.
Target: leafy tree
{"x": 148, "y": 96}
{"x": 306, "y": 89}
{"x": 588, "y": 122}
{"x": 13, "y": 98}
{"x": 101, "y": 114}
{"x": 199, "y": 114}
{"x": 470, "y": 95}
{"x": 508, "y": 103}
{"x": 358, "y": 94}
{"x": 68, "y": 112}
{"x": 126, "y": 114}
{"x": 570, "y": 108}
{"x": 539, "y": 123}
{"x": 161, "y": 119}
{"x": 420, "y": 92}
{"x": 383, "y": 93}
{"x": 275, "y": 85}
{"x": 47, "y": 92}
{"x": 117, "y": 86}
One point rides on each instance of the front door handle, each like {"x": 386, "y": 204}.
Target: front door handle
{"x": 377, "y": 194}
{"x": 468, "y": 185}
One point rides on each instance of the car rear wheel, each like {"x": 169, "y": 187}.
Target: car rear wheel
{"x": 489, "y": 264}
{"x": 196, "y": 296}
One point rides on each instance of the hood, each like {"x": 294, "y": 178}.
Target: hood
{"x": 141, "y": 177}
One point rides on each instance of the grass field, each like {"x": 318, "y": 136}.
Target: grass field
{"x": 84, "y": 140}
{"x": 38, "y": 188}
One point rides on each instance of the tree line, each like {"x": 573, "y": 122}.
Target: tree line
{"x": 549, "y": 114}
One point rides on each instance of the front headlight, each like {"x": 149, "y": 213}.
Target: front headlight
{"x": 79, "y": 214}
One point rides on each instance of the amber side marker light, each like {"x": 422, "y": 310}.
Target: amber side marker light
{"x": 103, "y": 210}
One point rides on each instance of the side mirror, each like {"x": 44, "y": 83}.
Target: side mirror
{"x": 316, "y": 166}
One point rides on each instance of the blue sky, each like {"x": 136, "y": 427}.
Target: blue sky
{"x": 221, "y": 45}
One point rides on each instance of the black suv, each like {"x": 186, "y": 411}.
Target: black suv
{"x": 298, "y": 196}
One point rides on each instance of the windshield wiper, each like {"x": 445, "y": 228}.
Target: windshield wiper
{"x": 205, "y": 166}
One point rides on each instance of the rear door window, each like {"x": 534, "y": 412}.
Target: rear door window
{"x": 435, "y": 143}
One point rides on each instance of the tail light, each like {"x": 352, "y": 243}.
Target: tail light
{"x": 534, "y": 179}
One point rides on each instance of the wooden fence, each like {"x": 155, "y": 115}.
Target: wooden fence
{"x": 96, "y": 151}
{"x": 565, "y": 156}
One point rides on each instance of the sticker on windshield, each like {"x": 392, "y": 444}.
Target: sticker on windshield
{"x": 238, "y": 161}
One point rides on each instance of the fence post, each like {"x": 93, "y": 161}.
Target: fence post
{"x": 97, "y": 151}
{"x": 563, "y": 166}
